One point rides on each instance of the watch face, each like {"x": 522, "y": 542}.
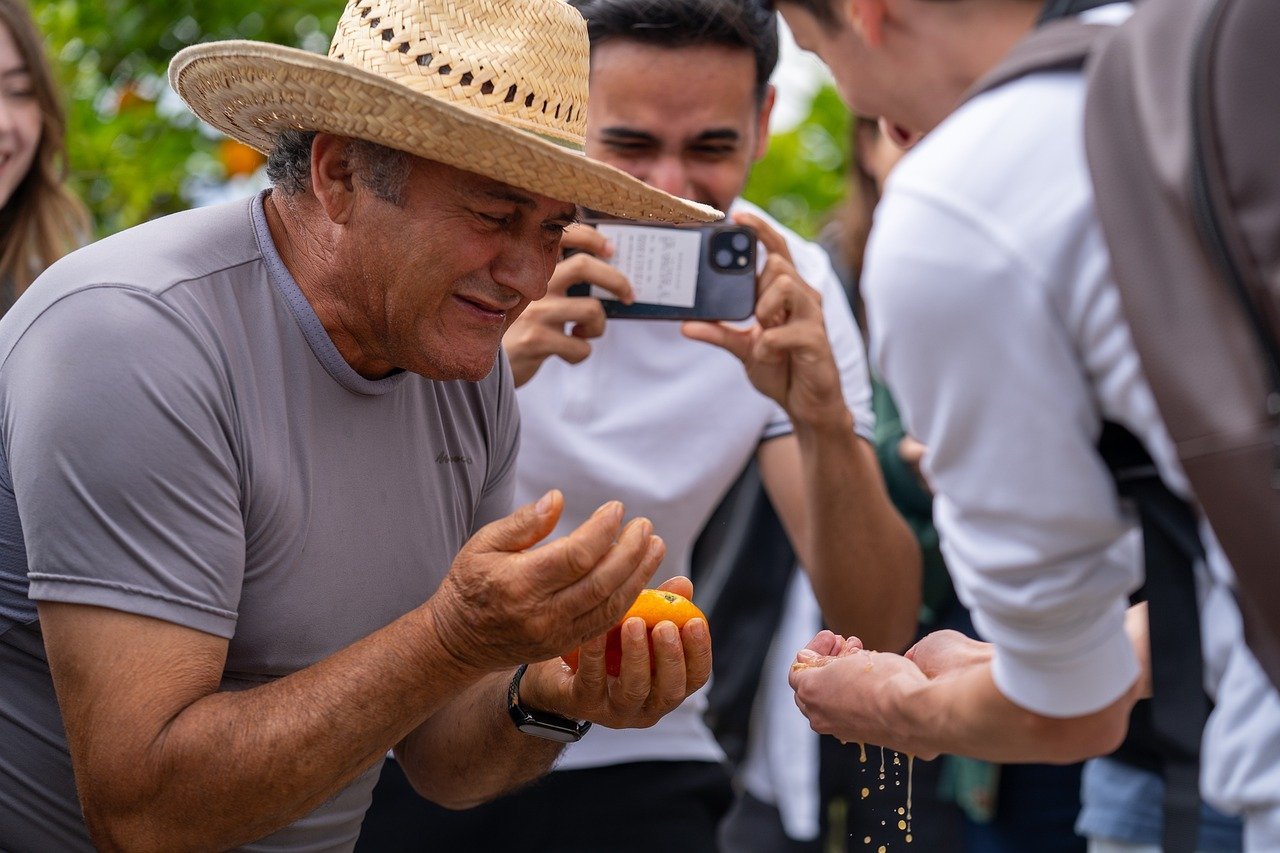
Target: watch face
{"x": 555, "y": 733}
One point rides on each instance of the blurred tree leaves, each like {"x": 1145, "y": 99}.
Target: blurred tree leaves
{"x": 802, "y": 177}
{"x": 134, "y": 149}
{"x": 136, "y": 152}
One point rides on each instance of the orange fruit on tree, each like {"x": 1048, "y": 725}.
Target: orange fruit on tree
{"x": 238, "y": 158}
{"x": 653, "y": 606}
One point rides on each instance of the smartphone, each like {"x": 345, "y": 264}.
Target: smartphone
{"x": 679, "y": 272}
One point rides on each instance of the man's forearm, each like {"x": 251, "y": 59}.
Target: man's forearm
{"x": 441, "y": 757}
{"x": 863, "y": 562}
{"x": 966, "y": 714}
{"x": 234, "y": 766}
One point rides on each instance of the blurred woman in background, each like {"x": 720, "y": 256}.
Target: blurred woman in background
{"x": 40, "y": 218}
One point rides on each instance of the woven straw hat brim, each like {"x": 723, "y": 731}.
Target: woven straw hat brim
{"x": 252, "y": 91}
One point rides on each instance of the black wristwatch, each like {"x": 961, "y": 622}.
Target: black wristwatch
{"x": 540, "y": 723}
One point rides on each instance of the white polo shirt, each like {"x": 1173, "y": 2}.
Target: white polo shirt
{"x": 664, "y": 424}
{"x": 997, "y": 325}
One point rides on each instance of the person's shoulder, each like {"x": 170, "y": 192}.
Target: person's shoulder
{"x": 166, "y": 251}
{"x": 1000, "y": 138}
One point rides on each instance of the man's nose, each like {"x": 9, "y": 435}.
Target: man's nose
{"x": 524, "y": 266}
{"x": 670, "y": 175}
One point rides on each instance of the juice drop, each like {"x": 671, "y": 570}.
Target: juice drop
{"x": 866, "y": 792}
{"x": 910, "y": 765}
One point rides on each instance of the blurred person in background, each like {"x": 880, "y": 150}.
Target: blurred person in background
{"x": 40, "y": 218}
{"x": 648, "y": 411}
{"x": 1000, "y": 808}
{"x": 997, "y": 324}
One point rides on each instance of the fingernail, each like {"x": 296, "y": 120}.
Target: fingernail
{"x": 543, "y": 506}
{"x": 698, "y": 629}
{"x": 807, "y": 655}
{"x": 613, "y": 508}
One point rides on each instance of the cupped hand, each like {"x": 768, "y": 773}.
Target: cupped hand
{"x": 851, "y": 693}
{"x": 642, "y": 693}
{"x": 560, "y": 325}
{"x": 943, "y": 653}
{"x": 505, "y": 602}
{"x": 786, "y": 352}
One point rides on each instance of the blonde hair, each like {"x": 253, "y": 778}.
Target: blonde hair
{"x": 43, "y": 219}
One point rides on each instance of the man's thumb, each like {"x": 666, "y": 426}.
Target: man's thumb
{"x": 525, "y": 527}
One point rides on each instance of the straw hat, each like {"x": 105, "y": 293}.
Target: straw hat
{"x": 495, "y": 87}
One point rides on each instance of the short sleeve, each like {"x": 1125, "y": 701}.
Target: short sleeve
{"x": 117, "y": 428}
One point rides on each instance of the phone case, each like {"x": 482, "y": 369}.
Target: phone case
{"x": 701, "y": 272}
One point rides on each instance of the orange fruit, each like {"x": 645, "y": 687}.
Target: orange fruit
{"x": 238, "y": 158}
{"x": 653, "y": 606}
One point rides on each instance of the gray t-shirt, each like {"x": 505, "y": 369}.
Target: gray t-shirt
{"x": 182, "y": 440}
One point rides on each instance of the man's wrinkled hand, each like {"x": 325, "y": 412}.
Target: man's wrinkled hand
{"x": 642, "y": 693}
{"x": 505, "y": 602}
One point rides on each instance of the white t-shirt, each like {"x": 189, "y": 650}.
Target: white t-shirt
{"x": 997, "y": 325}
{"x": 664, "y": 424}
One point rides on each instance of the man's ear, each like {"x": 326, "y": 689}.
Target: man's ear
{"x": 767, "y": 101}
{"x": 333, "y": 176}
{"x": 867, "y": 18}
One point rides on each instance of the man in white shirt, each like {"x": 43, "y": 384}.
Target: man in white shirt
{"x": 1000, "y": 331}
{"x": 680, "y": 99}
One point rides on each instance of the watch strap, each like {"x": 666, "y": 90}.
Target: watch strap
{"x": 541, "y": 723}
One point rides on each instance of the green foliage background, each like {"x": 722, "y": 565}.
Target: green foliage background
{"x": 135, "y": 150}
{"x": 133, "y": 147}
{"x": 802, "y": 177}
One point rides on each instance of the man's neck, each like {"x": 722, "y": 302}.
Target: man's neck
{"x": 319, "y": 274}
{"x": 966, "y": 44}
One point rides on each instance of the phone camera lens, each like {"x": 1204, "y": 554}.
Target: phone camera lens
{"x": 741, "y": 242}
{"x": 724, "y": 258}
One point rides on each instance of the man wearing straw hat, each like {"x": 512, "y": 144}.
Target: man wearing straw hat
{"x": 257, "y": 461}
{"x": 648, "y": 411}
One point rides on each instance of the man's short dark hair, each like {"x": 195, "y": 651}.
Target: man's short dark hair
{"x": 381, "y": 169}
{"x": 748, "y": 24}
{"x": 823, "y": 11}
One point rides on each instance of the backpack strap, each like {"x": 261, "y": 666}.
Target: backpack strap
{"x": 1060, "y": 45}
{"x": 1179, "y": 706}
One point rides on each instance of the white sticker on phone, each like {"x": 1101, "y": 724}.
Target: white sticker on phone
{"x": 660, "y": 263}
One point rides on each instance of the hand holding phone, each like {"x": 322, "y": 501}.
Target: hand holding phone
{"x": 786, "y": 353}
{"x": 557, "y": 325}
{"x": 704, "y": 272}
